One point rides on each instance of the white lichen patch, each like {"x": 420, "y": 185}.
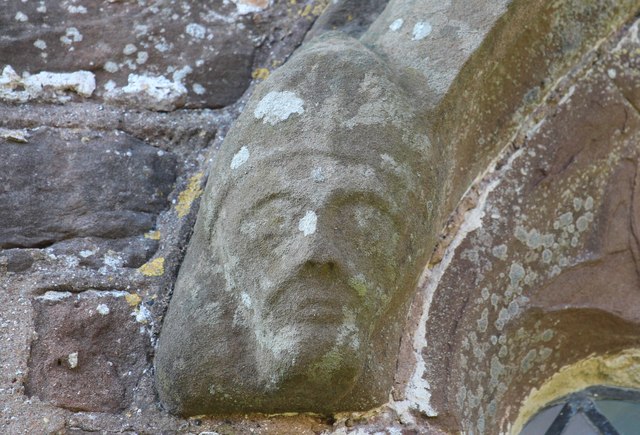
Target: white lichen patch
{"x": 567, "y": 96}
{"x": 45, "y": 85}
{"x": 40, "y": 44}
{"x": 500, "y": 252}
{"x": 103, "y": 309}
{"x": 244, "y": 7}
{"x": 129, "y": 49}
{"x": 583, "y": 221}
{"x": 150, "y": 92}
{"x": 196, "y": 30}
{"x": 276, "y": 107}
{"x": 70, "y": 36}
{"x": 111, "y": 66}
{"x": 54, "y": 296}
{"x": 198, "y": 89}
{"x": 21, "y": 16}
{"x": 19, "y": 136}
{"x": 73, "y": 360}
{"x": 308, "y": 223}
{"x": 142, "y": 57}
{"x": 142, "y": 314}
{"x": 246, "y": 299}
{"x": 180, "y": 74}
{"x": 317, "y": 175}
{"x": 396, "y": 25}
{"x": 113, "y": 260}
{"x": 77, "y": 9}
{"x": 240, "y": 158}
{"x": 421, "y": 30}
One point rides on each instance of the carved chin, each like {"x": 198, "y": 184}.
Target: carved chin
{"x": 310, "y": 357}
{"x": 318, "y": 373}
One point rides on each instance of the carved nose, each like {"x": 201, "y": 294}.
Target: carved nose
{"x": 320, "y": 253}
{"x": 321, "y": 265}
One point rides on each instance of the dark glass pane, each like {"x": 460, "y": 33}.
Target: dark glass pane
{"x": 624, "y": 416}
{"x": 541, "y": 422}
{"x": 580, "y": 425}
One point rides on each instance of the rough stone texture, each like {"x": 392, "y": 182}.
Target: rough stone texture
{"x": 323, "y": 233}
{"x": 89, "y": 352}
{"x": 480, "y": 68}
{"x": 352, "y": 17}
{"x": 554, "y": 265}
{"x": 63, "y": 184}
{"x": 142, "y": 259}
{"x": 192, "y": 53}
{"x": 152, "y": 54}
{"x": 222, "y": 283}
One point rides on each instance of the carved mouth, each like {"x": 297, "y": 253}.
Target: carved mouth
{"x": 304, "y": 299}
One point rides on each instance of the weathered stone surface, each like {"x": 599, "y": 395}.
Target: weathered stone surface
{"x": 150, "y": 54}
{"x": 89, "y": 353}
{"x": 322, "y": 233}
{"x": 312, "y": 106}
{"x": 551, "y": 276}
{"x": 352, "y": 17}
{"x": 153, "y": 54}
{"x": 465, "y": 83}
{"x": 67, "y": 183}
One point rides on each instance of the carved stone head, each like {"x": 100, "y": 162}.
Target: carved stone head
{"x": 309, "y": 242}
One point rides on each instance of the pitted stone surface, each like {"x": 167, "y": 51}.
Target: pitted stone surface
{"x": 555, "y": 266}
{"x": 151, "y": 54}
{"x": 303, "y": 249}
{"x": 471, "y": 88}
{"x": 90, "y": 351}
{"x": 63, "y": 184}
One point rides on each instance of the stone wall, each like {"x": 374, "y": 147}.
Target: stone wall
{"x": 112, "y": 113}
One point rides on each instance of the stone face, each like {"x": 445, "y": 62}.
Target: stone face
{"x": 303, "y": 251}
{"x": 67, "y": 183}
{"x": 76, "y": 75}
{"x": 89, "y": 353}
{"x": 340, "y": 104}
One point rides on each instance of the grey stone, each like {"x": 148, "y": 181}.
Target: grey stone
{"x": 352, "y": 17}
{"x": 304, "y": 250}
{"x": 68, "y": 183}
{"x": 152, "y": 54}
{"x": 105, "y": 254}
{"x": 338, "y": 100}
{"x": 566, "y": 208}
{"x": 89, "y": 353}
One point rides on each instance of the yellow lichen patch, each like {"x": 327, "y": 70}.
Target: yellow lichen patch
{"x": 314, "y": 10}
{"x": 133, "y": 299}
{"x": 319, "y": 8}
{"x": 618, "y": 370}
{"x": 190, "y": 194}
{"x": 152, "y": 235}
{"x": 153, "y": 268}
{"x": 260, "y": 73}
{"x": 306, "y": 11}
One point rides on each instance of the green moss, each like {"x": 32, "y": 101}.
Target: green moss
{"x": 329, "y": 364}
{"x": 359, "y": 285}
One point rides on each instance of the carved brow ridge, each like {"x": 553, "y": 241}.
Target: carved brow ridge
{"x": 339, "y": 197}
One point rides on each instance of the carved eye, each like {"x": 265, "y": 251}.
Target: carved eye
{"x": 375, "y": 229}
{"x": 268, "y": 223}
